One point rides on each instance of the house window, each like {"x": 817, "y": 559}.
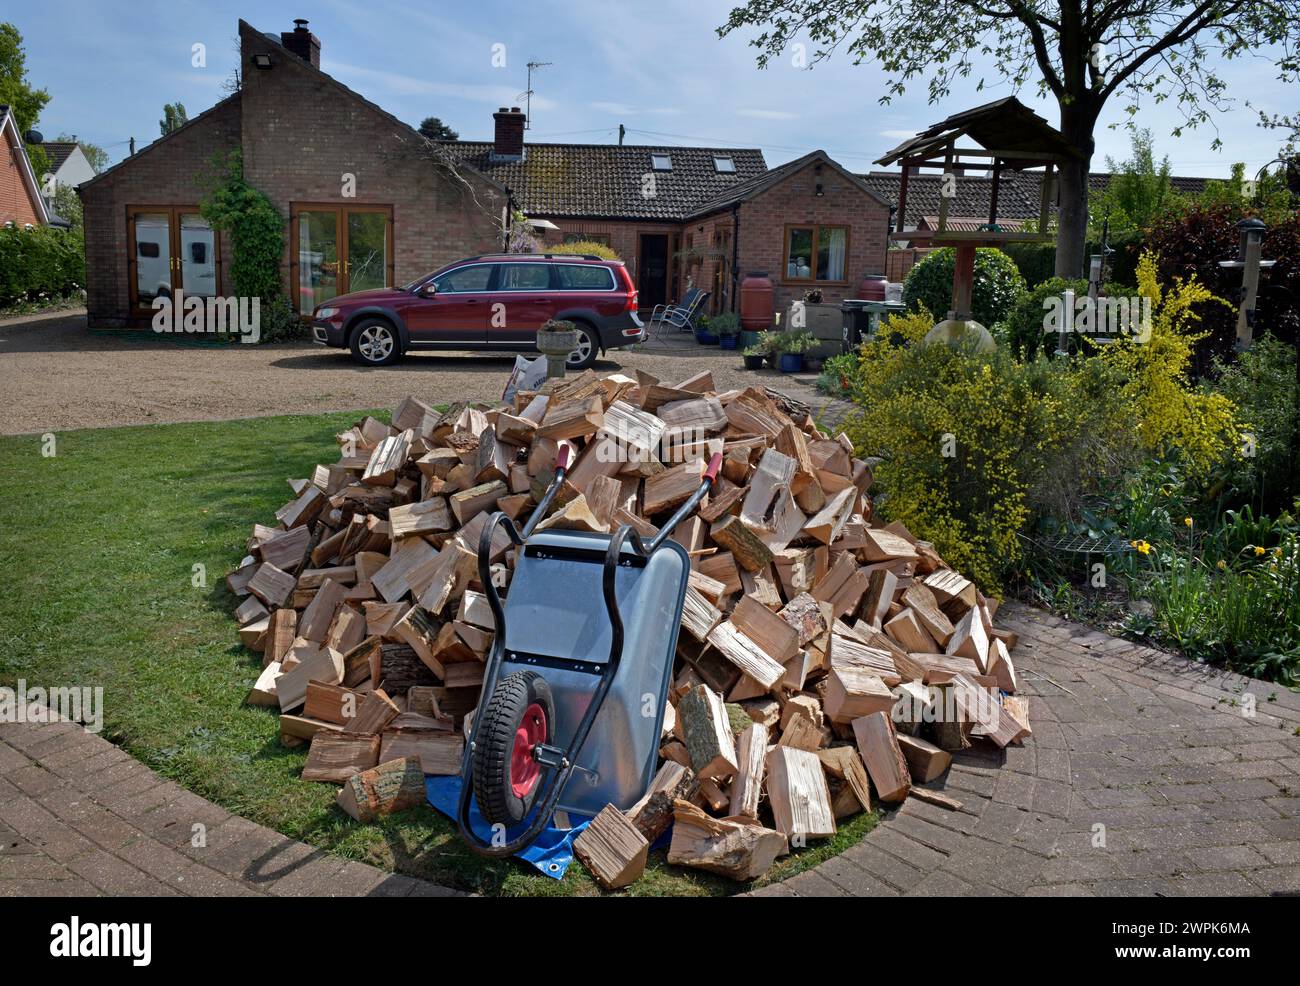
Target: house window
{"x": 816, "y": 253}
{"x": 661, "y": 162}
{"x": 723, "y": 164}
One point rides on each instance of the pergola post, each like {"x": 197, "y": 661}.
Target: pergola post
{"x": 963, "y": 281}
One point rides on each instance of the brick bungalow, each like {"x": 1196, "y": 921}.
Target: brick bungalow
{"x": 20, "y": 195}
{"x": 372, "y": 203}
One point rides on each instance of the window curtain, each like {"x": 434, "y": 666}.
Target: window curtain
{"x": 836, "y": 239}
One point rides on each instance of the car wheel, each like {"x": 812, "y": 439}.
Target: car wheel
{"x": 375, "y": 343}
{"x": 585, "y": 354}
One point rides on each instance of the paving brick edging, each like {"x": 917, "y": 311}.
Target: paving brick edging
{"x": 78, "y": 817}
{"x": 1195, "y": 797}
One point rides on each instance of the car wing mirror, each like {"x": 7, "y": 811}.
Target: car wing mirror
{"x": 429, "y": 290}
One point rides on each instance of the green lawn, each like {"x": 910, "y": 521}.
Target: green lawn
{"x": 100, "y": 545}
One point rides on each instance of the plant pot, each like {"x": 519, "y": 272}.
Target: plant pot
{"x": 791, "y": 362}
{"x": 748, "y": 338}
{"x": 729, "y": 342}
{"x": 754, "y": 362}
{"x": 706, "y": 338}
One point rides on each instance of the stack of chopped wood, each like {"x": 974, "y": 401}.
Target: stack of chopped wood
{"x": 820, "y": 654}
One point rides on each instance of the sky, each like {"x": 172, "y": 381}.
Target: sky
{"x": 656, "y": 67}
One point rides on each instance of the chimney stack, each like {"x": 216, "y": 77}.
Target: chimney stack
{"x": 508, "y": 142}
{"x": 302, "y": 42}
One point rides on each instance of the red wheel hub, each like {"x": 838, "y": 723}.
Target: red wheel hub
{"x": 524, "y": 770}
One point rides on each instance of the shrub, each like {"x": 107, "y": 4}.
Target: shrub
{"x": 592, "y": 247}
{"x": 1174, "y": 420}
{"x": 1022, "y": 328}
{"x": 1261, "y": 382}
{"x": 39, "y": 263}
{"x": 975, "y": 446}
{"x": 1193, "y": 241}
{"x": 726, "y": 324}
{"x": 998, "y": 284}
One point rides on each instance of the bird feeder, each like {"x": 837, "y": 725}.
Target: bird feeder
{"x": 1249, "y": 261}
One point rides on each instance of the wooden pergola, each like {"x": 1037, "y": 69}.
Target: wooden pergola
{"x": 1010, "y": 137}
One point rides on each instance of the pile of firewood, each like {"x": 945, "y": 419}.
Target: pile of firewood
{"x": 820, "y": 654}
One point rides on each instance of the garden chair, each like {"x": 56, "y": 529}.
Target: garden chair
{"x": 680, "y": 317}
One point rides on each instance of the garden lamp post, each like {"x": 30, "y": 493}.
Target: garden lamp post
{"x": 1249, "y": 261}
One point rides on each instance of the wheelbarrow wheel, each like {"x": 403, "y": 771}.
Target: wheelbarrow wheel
{"x": 518, "y": 716}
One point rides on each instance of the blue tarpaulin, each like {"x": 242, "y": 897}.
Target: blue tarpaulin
{"x": 550, "y": 854}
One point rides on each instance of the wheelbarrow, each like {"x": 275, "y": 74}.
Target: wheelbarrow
{"x": 577, "y": 678}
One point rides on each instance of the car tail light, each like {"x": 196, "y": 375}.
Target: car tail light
{"x": 630, "y": 304}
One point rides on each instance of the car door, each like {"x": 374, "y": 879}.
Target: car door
{"x": 457, "y": 312}
{"x": 521, "y": 300}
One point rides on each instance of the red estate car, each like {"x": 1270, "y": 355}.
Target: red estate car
{"x": 493, "y": 302}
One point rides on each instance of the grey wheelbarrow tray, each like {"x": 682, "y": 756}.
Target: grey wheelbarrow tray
{"x": 596, "y": 616}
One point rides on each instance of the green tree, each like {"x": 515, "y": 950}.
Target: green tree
{"x": 173, "y": 118}
{"x": 1082, "y": 52}
{"x": 434, "y": 129}
{"x": 1139, "y": 189}
{"x": 24, "y": 100}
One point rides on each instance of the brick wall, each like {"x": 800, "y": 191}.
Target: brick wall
{"x": 302, "y": 132}
{"x": 793, "y": 201}
{"x": 15, "y": 197}
{"x": 166, "y": 173}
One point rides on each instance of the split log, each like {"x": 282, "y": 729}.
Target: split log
{"x": 747, "y": 785}
{"x": 707, "y": 733}
{"x": 394, "y": 785}
{"x": 853, "y": 692}
{"x": 925, "y": 760}
{"x": 749, "y": 552}
{"x": 438, "y": 752}
{"x": 737, "y": 850}
{"x": 878, "y": 744}
{"x": 654, "y": 812}
{"x": 612, "y": 849}
{"x": 335, "y": 757}
{"x": 746, "y": 654}
{"x": 800, "y": 799}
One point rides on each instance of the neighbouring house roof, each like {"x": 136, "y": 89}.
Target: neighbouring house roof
{"x": 610, "y": 181}
{"x": 9, "y": 127}
{"x": 58, "y": 152}
{"x": 766, "y": 179}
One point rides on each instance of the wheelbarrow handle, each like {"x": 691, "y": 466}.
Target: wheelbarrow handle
{"x": 561, "y": 467}
{"x": 709, "y": 477}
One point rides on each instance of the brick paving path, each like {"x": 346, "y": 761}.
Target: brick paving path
{"x": 1195, "y": 796}
{"x": 78, "y": 817}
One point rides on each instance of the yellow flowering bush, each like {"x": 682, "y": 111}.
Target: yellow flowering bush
{"x": 1174, "y": 419}
{"x": 973, "y": 447}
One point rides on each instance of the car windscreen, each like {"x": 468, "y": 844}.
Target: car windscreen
{"x": 582, "y": 277}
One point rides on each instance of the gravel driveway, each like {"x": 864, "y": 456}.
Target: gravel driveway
{"x": 57, "y": 374}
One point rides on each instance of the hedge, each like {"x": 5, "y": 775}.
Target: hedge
{"x": 1037, "y": 261}
{"x": 41, "y": 262}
